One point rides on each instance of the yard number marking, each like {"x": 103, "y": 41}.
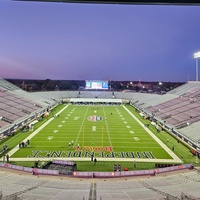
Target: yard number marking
{"x": 136, "y": 138}
{"x": 93, "y": 128}
{"x": 50, "y": 138}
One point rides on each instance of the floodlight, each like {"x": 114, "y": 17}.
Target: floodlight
{"x": 197, "y": 54}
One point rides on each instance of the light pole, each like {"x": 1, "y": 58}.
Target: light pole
{"x": 196, "y": 56}
{"x": 197, "y": 145}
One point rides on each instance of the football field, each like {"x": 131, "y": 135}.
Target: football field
{"x": 105, "y": 132}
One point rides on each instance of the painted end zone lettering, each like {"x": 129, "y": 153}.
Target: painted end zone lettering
{"x": 87, "y": 154}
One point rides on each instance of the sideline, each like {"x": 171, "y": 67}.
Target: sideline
{"x": 15, "y": 149}
{"x": 100, "y": 159}
{"x": 171, "y": 153}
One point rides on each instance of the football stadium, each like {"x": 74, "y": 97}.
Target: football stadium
{"x": 102, "y": 134}
{"x": 97, "y": 142}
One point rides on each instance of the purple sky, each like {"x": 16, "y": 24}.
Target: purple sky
{"x": 93, "y": 41}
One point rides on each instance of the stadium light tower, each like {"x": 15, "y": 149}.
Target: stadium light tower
{"x": 196, "y": 56}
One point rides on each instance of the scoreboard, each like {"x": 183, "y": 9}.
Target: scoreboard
{"x": 96, "y": 85}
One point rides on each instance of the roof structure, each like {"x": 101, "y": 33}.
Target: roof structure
{"x": 139, "y": 2}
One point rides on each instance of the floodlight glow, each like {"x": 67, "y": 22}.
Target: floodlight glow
{"x": 197, "y": 55}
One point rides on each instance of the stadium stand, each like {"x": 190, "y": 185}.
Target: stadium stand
{"x": 184, "y": 185}
{"x": 178, "y": 110}
{"x": 5, "y": 85}
{"x": 181, "y": 90}
{"x": 192, "y": 132}
{"x": 17, "y": 107}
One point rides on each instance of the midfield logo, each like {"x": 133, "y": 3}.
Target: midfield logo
{"x": 95, "y": 118}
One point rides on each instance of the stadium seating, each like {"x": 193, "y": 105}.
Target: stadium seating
{"x": 27, "y": 186}
{"x": 15, "y": 107}
{"x": 179, "y": 108}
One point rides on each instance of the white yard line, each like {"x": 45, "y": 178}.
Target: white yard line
{"x": 107, "y": 129}
{"x": 116, "y": 159}
{"x": 34, "y": 133}
{"x": 175, "y": 158}
{"x": 77, "y": 137}
{"x": 171, "y": 153}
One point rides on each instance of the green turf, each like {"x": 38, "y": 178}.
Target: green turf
{"x": 113, "y": 132}
{"x": 116, "y": 134}
{"x": 13, "y": 141}
{"x": 181, "y": 150}
{"x": 99, "y": 166}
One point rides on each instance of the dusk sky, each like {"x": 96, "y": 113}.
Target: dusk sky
{"x": 66, "y": 41}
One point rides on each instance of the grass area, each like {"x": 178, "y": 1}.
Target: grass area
{"x": 104, "y": 131}
{"x": 180, "y": 149}
{"x": 100, "y": 166}
{"x": 13, "y": 141}
{"x": 101, "y": 131}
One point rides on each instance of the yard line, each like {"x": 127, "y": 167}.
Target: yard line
{"x": 15, "y": 149}
{"x": 107, "y": 127}
{"x": 171, "y": 153}
{"x": 77, "y": 137}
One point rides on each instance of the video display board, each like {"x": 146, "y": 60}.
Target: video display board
{"x": 96, "y": 85}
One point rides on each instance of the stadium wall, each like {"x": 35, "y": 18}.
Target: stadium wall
{"x": 37, "y": 171}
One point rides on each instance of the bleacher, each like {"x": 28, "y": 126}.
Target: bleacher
{"x": 5, "y": 85}
{"x": 179, "y": 108}
{"x": 192, "y": 131}
{"x": 17, "y": 105}
{"x": 183, "y": 89}
{"x": 26, "y": 186}
{"x": 13, "y": 107}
